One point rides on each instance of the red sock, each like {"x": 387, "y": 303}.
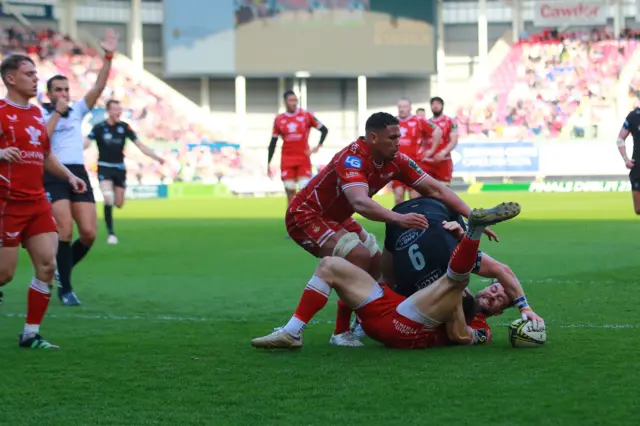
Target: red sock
{"x": 463, "y": 259}
{"x": 343, "y": 318}
{"x": 38, "y": 298}
{"x": 314, "y": 298}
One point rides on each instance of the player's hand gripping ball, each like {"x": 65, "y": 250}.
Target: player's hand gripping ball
{"x": 524, "y": 334}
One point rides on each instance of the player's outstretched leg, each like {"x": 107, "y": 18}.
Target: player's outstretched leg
{"x": 353, "y": 285}
{"x": 463, "y": 258}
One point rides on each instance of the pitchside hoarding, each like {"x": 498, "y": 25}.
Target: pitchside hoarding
{"x": 550, "y": 158}
{"x": 282, "y": 37}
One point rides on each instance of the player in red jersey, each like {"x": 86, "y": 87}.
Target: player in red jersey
{"x": 25, "y": 213}
{"x": 414, "y": 131}
{"x": 319, "y": 217}
{"x": 294, "y": 127}
{"x": 431, "y": 317}
{"x": 420, "y": 112}
{"x": 440, "y": 165}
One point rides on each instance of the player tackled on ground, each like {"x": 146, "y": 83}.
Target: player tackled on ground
{"x": 111, "y": 136}
{"x": 294, "y": 126}
{"x": 414, "y": 132}
{"x": 414, "y": 259}
{"x": 25, "y": 212}
{"x": 631, "y": 126}
{"x": 433, "y": 316}
{"x": 64, "y": 126}
{"x": 319, "y": 218}
{"x": 440, "y": 164}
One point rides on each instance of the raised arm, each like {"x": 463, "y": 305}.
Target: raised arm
{"x": 109, "y": 44}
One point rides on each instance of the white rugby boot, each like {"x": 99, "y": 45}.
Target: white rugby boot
{"x": 345, "y": 339}
{"x": 112, "y": 240}
{"x": 279, "y": 339}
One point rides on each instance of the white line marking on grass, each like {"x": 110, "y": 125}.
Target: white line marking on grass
{"x": 175, "y": 318}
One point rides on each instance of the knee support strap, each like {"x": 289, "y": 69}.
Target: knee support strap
{"x": 345, "y": 244}
{"x": 372, "y": 245}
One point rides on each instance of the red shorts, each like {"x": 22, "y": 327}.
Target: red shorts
{"x": 440, "y": 170}
{"x": 296, "y": 173}
{"x": 381, "y": 321}
{"x": 311, "y": 233}
{"x": 21, "y": 220}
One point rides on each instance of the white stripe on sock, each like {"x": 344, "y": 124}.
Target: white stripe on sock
{"x": 319, "y": 285}
{"x": 40, "y": 286}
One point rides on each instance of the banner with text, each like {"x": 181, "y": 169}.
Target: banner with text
{"x": 495, "y": 158}
{"x": 553, "y": 13}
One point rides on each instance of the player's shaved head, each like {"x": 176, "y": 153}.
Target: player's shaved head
{"x": 11, "y": 64}
{"x": 404, "y": 108}
{"x": 380, "y": 121}
{"x": 383, "y": 136}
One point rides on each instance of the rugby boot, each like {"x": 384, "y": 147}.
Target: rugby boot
{"x": 345, "y": 339}
{"x": 279, "y": 339}
{"x": 34, "y": 341}
{"x": 70, "y": 299}
{"x": 500, "y": 213}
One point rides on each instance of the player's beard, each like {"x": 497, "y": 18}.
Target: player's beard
{"x": 436, "y": 115}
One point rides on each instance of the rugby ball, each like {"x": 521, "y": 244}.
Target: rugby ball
{"x": 522, "y": 335}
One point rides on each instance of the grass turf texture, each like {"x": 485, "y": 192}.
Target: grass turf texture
{"x": 163, "y": 335}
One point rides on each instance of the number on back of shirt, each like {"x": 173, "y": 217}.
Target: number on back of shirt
{"x": 416, "y": 257}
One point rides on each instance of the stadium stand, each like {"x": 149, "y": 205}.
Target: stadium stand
{"x": 545, "y": 80}
{"x": 189, "y": 144}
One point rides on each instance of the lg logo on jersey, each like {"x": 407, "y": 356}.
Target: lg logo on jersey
{"x": 353, "y": 162}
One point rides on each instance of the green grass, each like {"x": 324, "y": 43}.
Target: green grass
{"x": 163, "y": 335}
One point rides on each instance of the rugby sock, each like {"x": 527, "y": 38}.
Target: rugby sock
{"x": 65, "y": 263}
{"x": 78, "y": 251}
{"x": 314, "y": 298}
{"x": 37, "y": 302}
{"x": 475, "y": 232}
{"x": 343, "y": 318}
{"x": 108, "y": 218}
{"x": 463, "y": 259}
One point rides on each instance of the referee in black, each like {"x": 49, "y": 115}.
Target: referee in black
{"x": 111, "y": 136}
{"x": 631, "y": 126}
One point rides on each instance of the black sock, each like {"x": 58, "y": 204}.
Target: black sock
{"x": 108, "y": 218}
{"x": 64, "y": 266}
{"x": 78, "y": 251}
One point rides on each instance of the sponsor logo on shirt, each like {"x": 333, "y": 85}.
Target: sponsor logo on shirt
{"x": 415, "y": 167}
{"x": 409, "y": 237}
{"x": 12, "y": 118}
{"x": 352, "y": 174}
{"x": 34, "y": 135}
{"x": 353, "y": 162}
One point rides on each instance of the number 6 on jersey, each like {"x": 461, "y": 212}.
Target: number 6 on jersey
{"x": 416, "y": 257}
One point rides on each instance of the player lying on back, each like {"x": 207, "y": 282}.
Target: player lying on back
{"x": 433, "y": 316}
{"x": 319, "y": 217}
{"x": 413, "y": 259}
